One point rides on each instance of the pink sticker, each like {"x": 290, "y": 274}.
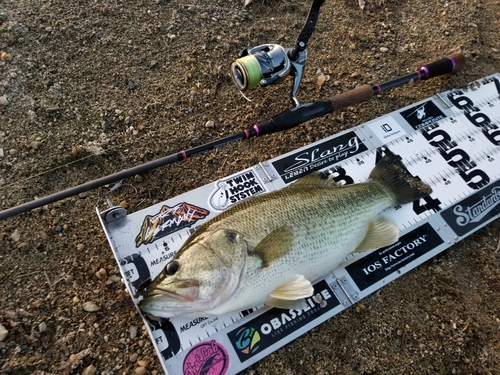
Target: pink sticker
{"x": 208, "y": 358}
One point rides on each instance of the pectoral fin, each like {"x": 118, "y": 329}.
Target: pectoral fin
{"x": 297, "y": 288}
{"x": 381, "y": 232}
{"x": 275, "y": 245}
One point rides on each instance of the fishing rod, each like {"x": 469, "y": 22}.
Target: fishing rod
{"x": 261, "y": 66}
{"x": 283, "y": 121}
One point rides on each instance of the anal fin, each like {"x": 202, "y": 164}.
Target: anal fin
{"x": 381, "y": 232}
{"x": 297, "y": 288}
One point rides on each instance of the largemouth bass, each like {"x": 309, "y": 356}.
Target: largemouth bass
{"x": 268, "y": 249}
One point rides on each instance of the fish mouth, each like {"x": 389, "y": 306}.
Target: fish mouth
{"x": 172, "y": 292}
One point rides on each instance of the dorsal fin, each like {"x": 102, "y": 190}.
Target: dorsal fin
{"x": 316, "y": 179}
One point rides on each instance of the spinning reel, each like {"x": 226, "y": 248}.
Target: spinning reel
{"x": 266, "y": 64}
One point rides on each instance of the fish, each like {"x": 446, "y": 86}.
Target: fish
{"x": 269, "y": 249}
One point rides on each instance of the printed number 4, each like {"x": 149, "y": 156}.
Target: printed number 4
{"x": 430, "y": 204}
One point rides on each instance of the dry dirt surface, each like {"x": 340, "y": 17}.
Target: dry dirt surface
{"x": 88, "y": 88}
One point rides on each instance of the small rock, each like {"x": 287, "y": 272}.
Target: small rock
{"x": 83, "y": 195}
{"x": 89, "y": 370}
{"x": 142, "y": 363}
{"x": 42, "y": 327}
{"x": 58, "y": 228}
{"x": 1, "y": 152}
{"x": 3, "y": 332}
{"x": 16, "y": 236}
{"x": 5, "y": 56}
{"x": 113, "y": 279}
{"x": 105, "y": 125}
{"x": 124, "y": 204}
{"x": 52, "y": 109}
{"x": 133, "y": 357}
{"x": 90, "y": 306}
{"x": 131, "y": 85}
{"x": 35, "y": 145}
{"x": 3, "y": 100}
{"x": 210, "y": 124}
{"x": 76, "y": 299}
{"x": 101, "y": 274}
{"x": 141, "y": 371}
{"x": 195, "y": 141}
{"x": 80, "y": 247}
{"x": 384, "y": 49}
{"x": 133, "y": 332}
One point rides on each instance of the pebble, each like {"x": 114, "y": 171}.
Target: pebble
{"x": 89, "y": 370}
{"x": 131, "y": 85}
{"x": 52, "y": 109}
{"x": 133, "y": 332}
{"x": 142, "y": 363}
{"x": 80, "y": 247}
{"x": 384, "y": 49}
{"x": 1, "y": 152}
{"x": 133, "y": 357}
{"x": 101, "y": 274}
{"x": 113, "y": 279}
{"x": 68, "y": 278}
{"x": 5, "y": 56}
{"x": 105, "y": 125}
{"x": 90, "y": 306}
{"x": 42, "y": 327}
{"x": 58, "y": 228}
{"x": 35, "y": 145}
{"x": 195, "y": 141}
{"x": 16, "y": 236}
{"x": 3, "y": 332}
{"x": 141, "y": 371}
{"x": 3, "y": 100}
{"x": 210, "y": 124}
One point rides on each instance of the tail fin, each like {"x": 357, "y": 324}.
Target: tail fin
{"x": 394, "y": 176}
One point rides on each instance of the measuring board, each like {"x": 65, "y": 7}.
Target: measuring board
{"x": 451, "y": 141}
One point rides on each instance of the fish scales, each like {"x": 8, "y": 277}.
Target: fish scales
{"x": 325, "y": 221}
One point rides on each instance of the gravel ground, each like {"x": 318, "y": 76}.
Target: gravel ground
{"x": 88, "y": 88}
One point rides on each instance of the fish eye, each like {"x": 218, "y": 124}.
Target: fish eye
{"x": 172, "y": 268}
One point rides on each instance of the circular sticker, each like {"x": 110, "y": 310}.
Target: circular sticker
{"x": 208, "y": 358}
